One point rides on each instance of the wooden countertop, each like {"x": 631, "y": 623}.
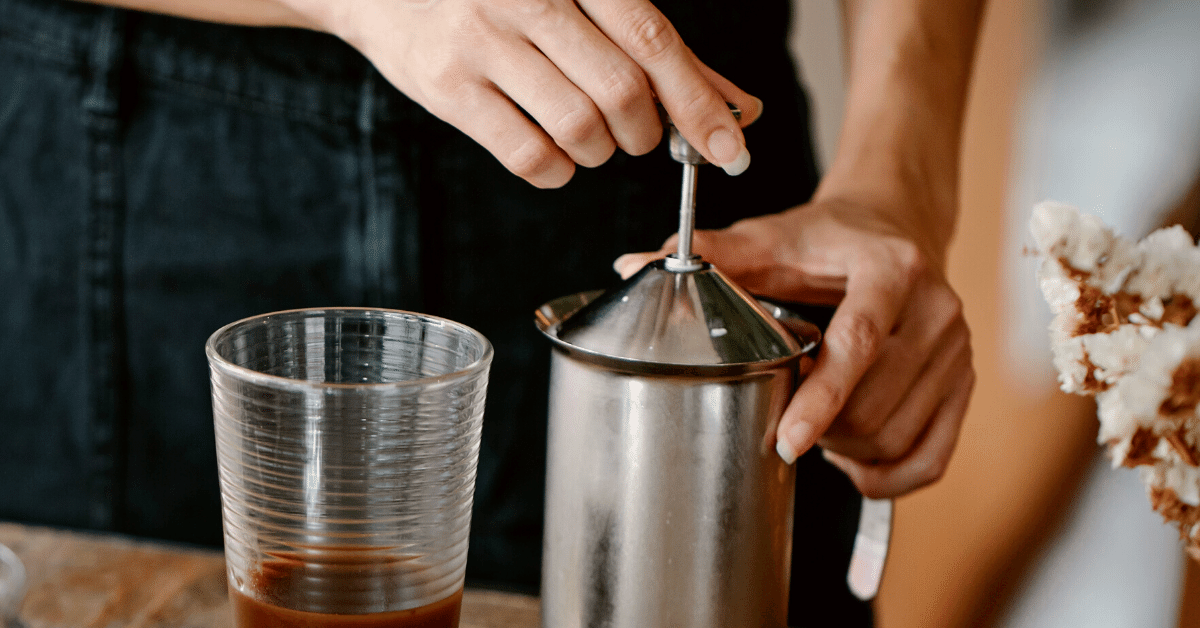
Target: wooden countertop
{"x": 81, "y": 580}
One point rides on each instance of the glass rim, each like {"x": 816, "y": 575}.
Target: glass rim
{"x": 216, "y": 360}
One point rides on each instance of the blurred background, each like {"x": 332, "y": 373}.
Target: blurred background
{"x": 1094, "y": 103}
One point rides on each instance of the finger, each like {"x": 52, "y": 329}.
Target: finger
{"x": 748, "y": 257}
{"x": 757, "y": 256}
{"x": 491, "y": 119}
{"x": 914, "y": 361}
{"x": 697, "y": 109}
{"x": 874, "y": 300}
{"x": 616, "y": 84}
{"x": 894, "y": 438}
{"x": 629, "y": 264}
{"x": 566, "y": 113}
{"x": 736, "y": 248}
{"x": 928, "y": 460}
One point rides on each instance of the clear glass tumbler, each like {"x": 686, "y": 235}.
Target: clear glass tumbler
{"x": 347, "y": 442}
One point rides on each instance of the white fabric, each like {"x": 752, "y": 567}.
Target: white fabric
{"x": 1112, "y": 125}
{"x": 1114, "y": 564}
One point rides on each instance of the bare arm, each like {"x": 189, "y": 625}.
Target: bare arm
{"x": 909, "y": 65}
{"x": 244, "y": 12}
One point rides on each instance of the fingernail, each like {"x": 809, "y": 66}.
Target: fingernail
{"x": 785, "y": 451}
{"x": 729, "y": 152}
{"x": 801, "y": 437}
{"x": 798, "y": 439}
{"x": 739, "y": 165}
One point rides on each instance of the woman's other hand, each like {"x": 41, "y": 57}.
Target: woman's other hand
{"x": 893, "y": 377}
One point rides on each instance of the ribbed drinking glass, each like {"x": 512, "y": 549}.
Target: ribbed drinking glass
{"x": 347, "y": 442}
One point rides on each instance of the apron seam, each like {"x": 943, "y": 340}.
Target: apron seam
{"x": 102, "y": 272}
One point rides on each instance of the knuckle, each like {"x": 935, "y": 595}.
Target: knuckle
{"x": 531, "y": 159}
{"x": 538, "y": 8}
{"x": 579, "y": 125}
{"x": 448, "y": 77}
{"x": 469, "y": 22}
{"x": 891, "y": 447}
{"x": 828, "y": 395}
{"x": 944, "y": 314}
{"x": 860, "y": 337}
{"x": 546, "y": 17}
{"x": 648, "y": 34}
{"x": 909, "y": 260}
{"x": 950, "y": 306}
{"x": 928, "y": 470}
{"x": 598, "y": 156}
{"x": 623, "y": 89}
{"x": 642, "y": 143}
{"x": 696, "y": 107}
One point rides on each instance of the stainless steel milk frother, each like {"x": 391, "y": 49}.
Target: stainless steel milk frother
{"x": 666, "y": 504}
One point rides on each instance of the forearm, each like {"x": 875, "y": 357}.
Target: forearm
{"x": 245, "y": 12}
{"x": 909, "y": 67}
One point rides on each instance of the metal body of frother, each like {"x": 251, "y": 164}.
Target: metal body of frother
{"x": 666, "y": 504}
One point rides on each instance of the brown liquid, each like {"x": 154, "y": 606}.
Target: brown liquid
{"x": 248, "y": 613}
{"x": 337, "y": 580}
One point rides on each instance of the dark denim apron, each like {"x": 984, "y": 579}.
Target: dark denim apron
{"x": 161, "y": 177}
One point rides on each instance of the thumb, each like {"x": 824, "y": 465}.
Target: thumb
{"x": 628, "y": 264}
{"x": 731, "y": 252}
{"x": 736, "y": 254}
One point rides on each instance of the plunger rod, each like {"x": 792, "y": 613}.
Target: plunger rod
{"x": 687, "y": 212}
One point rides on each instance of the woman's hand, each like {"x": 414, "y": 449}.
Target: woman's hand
{"x": 546, "y": 84}
{"x": 894, "y": 374}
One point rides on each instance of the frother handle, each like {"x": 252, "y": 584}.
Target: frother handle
{"x": 870, "y": 552}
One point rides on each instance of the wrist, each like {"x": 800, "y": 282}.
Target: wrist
{"x": 902, "y": 158}
{"x": 920, "y": 201}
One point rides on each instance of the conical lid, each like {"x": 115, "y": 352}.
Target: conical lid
{"x": 693, "y": 318}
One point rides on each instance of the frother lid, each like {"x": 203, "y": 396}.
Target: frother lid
{"x": 694, "y": 318}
